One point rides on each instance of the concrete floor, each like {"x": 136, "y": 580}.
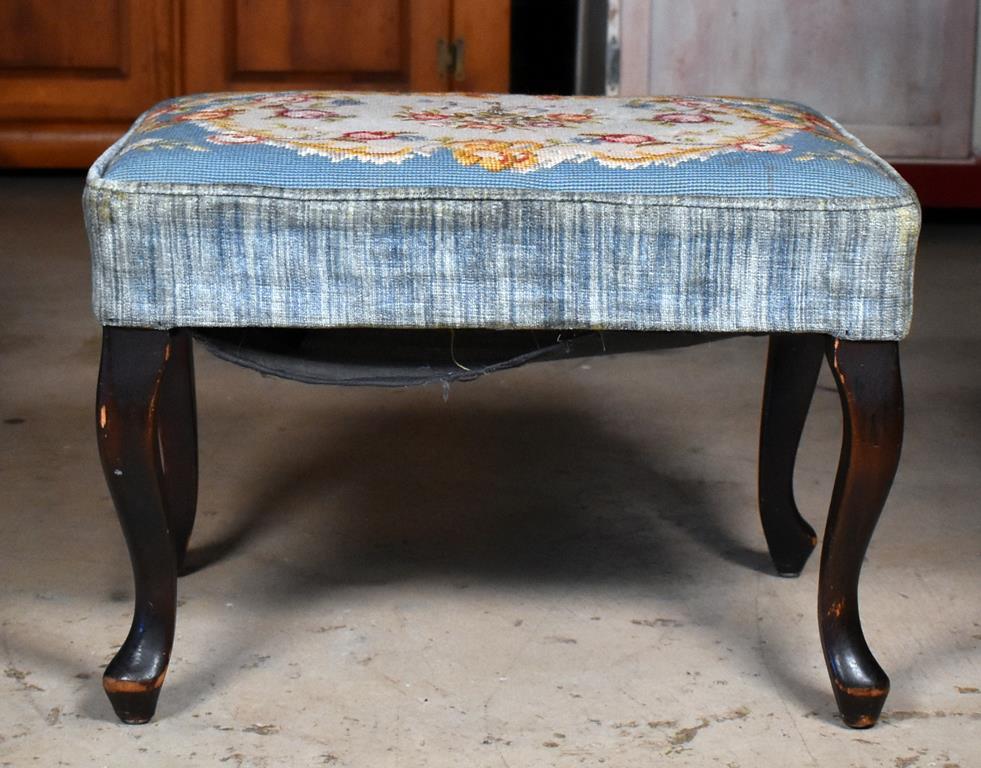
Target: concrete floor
{"x": 559, "y": 565}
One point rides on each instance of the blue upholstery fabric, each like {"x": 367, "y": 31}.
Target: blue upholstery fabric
{"x": 452, "y": 210}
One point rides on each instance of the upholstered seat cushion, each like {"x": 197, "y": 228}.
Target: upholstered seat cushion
{"x": 312, "y": 209}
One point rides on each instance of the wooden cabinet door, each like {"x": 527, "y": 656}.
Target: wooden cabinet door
{"x": 74, "y": 74}
{"x": 484, "y": 27}
{"x": 287, "y": 44}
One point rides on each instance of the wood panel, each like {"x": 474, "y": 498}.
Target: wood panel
{"x": 74, "y": 74}
{"x": 350, "y": 44}
{"x": 485, "y": 28}
{"x": 277, "y": 36}
{"x": 49, "y": 37}
{"x": 897, "y": 72}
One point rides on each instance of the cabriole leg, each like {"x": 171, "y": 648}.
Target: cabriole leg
{"x": 869, "y": 383}
{"x": 792, "y": 367}
{"x": 135, "y": 363}
{"x": 177, "y": 427}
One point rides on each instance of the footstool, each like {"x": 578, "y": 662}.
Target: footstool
{"x": 319, "y": 235}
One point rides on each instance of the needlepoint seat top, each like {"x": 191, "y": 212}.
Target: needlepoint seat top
{"x": 647, "y": 145}
{"x": 326, "y": 209}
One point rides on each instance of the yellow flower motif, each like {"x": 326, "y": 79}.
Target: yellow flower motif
{"x": 497, "y": 155}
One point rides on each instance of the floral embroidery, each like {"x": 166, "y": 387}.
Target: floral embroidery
{"x": 498, "y": 155}
{"x": 682, "y": 117}
{"x": 495, "y": 118}
{"x": 637, "y": 139}
{"x": 207, "y": 114}
{"x": 495, "y": 132}
{"x": 308, "y": 114}
{"x": 368, "y": 135}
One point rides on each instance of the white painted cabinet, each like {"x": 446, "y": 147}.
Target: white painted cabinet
{"x": 899, "y": 73}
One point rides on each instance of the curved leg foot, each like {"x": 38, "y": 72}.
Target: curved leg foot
{"x": 134, "y": 363}
{"x": 177, "y": 428}
{"x": 792, "y": 368}
{"x": 868, "y": 378}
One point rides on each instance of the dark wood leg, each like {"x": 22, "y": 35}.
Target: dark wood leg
{"x": 869, "y": 383}
{"x": 134, "y": 364}
{"x": 792, "y": 368}
{"x": 177, "y": 428}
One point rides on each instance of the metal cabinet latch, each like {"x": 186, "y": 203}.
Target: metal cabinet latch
{"x": 449, "y": 58}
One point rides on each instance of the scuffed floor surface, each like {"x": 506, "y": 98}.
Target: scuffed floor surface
{"x": 558, "y": 566}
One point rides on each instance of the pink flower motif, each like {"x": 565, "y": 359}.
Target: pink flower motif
{"x": 305, "y": 114}
{"x": 234, "y": 138}
{"x": 628, "y": 138}
{"x": 757, "y": 146}
{"x": 683, "y": 117}
{"x": 368, "y": 135}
